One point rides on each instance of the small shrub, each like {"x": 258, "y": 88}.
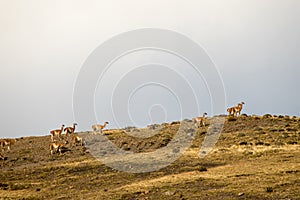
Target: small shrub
{"x": 18, "y": 187}
{"x": 259, "y": 143}
{"x": 110, "y": 137}
{"x": 261, "y": 132}
{"x": 202, "y": 169}
{"x": 285, "y": 135}
{"x": 269, "y": 189}
{"x": 255, "y": 117}
{"x": 241, "y": 134}
{"x": 292, "y": 142}
{"x": 258, "y": 128}
{"x": 231, "y": 119}
{"x": 291, "y": 129}
{"x": 267, "y": 116}
{"x": 3, "y": 185}
{"x": 203, "y": 132}
{"x": 273, "y": 129}
{"x": 278, "y": 143}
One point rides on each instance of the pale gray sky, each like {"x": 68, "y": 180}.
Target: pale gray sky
{"x": 254, "y": 43}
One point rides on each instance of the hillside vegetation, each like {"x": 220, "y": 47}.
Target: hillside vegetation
{"x": 256, "y": 157}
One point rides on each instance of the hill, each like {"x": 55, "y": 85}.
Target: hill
{"x": 256, "y": 157}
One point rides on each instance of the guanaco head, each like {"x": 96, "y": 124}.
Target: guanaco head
{"x": 242, "y": 102}
{"x": 75, "y": 124}
{"x": 204, "y": 114}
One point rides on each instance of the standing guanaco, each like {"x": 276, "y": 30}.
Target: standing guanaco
{"x": 56, "y": 147}
{"x": 238, "y": 108}
{"x": 77, "y": 139}
{"x": 99, "y": 127}
{"x": 57, "y": 132}
{"x": 200, "y": 120}
{"x": 70, "y": 130}
{"x": 231, "y": 111}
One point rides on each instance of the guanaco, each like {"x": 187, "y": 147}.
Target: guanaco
{"x": 7, "y": 142}
{"x": 200, "y": 120}
{"x": 70, "y": 130}
{"x": 238, "y": 108}
{"x": 77, "y": 139}
{"x": 56, "y": 147}
{"x": 99, "y": 127}
{"x": 231, "y": 111}
{"x": 57, "y": 132}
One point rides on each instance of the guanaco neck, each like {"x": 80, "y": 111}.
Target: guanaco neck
{"x": 104, "y": 125}
{"x": 240, "y": 106}
{"x": 62, "y": 128}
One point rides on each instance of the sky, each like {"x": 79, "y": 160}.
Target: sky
{"x": 254, "y": 45}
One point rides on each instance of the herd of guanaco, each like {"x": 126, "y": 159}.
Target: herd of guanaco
{"x": 56, "y": 146}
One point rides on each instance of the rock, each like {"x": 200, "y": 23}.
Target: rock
{"x": 169, "y": 193}
{"x": 241, "y": 194}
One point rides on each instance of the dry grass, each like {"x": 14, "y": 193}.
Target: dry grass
{"x": 255, "y": 158}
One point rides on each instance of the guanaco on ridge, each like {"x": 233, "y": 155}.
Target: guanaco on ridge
{"x": 70, "y": 130}
{"x": 200, "y": 120}
{"x": 236, "y": 110}
{"x": 99, "y": 127}
{"x": 57, "y": 132}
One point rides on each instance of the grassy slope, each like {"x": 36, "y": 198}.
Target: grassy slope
{"x": 255, "y": 158}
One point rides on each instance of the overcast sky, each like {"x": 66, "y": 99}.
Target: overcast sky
{"x": 255, "y": 45}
